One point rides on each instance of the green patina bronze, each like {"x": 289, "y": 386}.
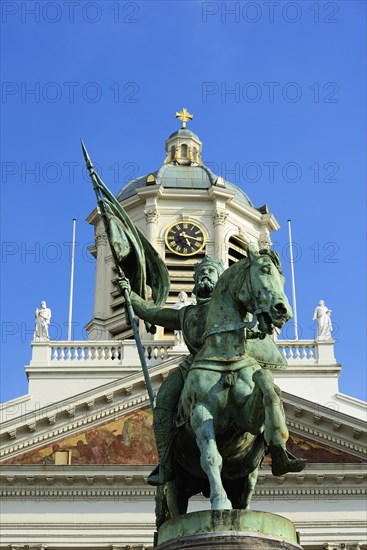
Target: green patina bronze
{"x": 230, "y": 522}
{"x": 220, "y": 412}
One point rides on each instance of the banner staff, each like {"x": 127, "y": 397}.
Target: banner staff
{"x": 121, "y": 274}
{"x": 71, "y": 281}
{"x": 293, "y": 282}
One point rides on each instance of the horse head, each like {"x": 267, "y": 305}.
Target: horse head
{"x": 265, "y": 288}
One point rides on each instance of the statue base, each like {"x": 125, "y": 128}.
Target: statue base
{"x": 228, "y": 530}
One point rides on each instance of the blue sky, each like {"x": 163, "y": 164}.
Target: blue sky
{"x": 278, "y": 96}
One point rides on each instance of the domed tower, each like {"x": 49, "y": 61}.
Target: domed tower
{"x": 186, "y": 212}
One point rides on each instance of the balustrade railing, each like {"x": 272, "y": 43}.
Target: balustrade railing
{"x": 107, "y": 353}
{"x": 114, "y": 353}
{"x": 79, "y": 352}
{"x": 301, "y": 351}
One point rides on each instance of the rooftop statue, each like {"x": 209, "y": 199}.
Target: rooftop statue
{"x": 43, "y": 319}
{"x": 322, "y": 315}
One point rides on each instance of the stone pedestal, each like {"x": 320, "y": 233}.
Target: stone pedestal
{"x": 228, "y": 530}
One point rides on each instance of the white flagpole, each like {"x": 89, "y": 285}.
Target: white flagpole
{"x": 293, "y": 282}
{"x": 71, "y": 281}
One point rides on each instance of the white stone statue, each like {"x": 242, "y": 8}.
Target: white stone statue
{"x": 182, "y": 302}
{"x": 322, "y": 315}
{"x": 43, "y": 318}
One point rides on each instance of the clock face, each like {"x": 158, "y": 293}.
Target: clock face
{"x": 185, "y": 238}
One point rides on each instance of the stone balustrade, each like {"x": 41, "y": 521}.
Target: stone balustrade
{"x": 301, "y": 351}
{"x": 103, "y": 353}
{"x": 114, "y": 353}
{"x": 308, "y": 352}
{"x": 94, "y": 352}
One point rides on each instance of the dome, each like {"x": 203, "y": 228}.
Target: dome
{"x": 172, "y": 176}
{"x": 184, "y": 132}
{"x": 183, "y": 167}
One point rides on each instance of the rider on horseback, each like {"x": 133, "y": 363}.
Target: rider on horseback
{"x": 206, "y": 275}
{"x": 260, "y": 347}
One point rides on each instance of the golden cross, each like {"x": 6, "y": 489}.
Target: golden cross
{"x": 184, "y": 115}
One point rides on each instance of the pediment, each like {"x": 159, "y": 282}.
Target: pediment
{"x": 128, "y": 439}
{"x": 112, "y": 424}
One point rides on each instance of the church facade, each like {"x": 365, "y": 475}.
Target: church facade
{"x": 76, "y": 451}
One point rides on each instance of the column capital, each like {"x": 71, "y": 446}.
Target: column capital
{"x": 219, "y": 217}
{"x": 264, "y": 241}
{"x": 151, "y": 215}
{"x": 100, "y": 238}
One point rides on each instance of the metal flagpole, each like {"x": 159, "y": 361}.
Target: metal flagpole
{"x": 293, "y": 282}
{"x": 71, "y": 281}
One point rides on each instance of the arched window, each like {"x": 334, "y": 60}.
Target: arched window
{"x": 237, "y": 247}
{"x": 184, "y": 150}
{"x": 173, "y": 149}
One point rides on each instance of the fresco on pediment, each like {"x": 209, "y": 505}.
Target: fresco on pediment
{"x": 318, "y": 453}
{"x": 127, "y": 440}
{"x": 130, "y": 440}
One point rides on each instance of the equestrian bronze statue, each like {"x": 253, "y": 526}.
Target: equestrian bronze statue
{"x": 220, "y": 412}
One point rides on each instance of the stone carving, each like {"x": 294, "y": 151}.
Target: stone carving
{"x": 182, "y": 302}
{"x": 265, "y": 239}
{"x": 100, "y": 238}
{"x": 43, "y": 318}
{"x": 151, "y": 215}
{"x": 322, "y": 315}
{"x": 219, "y": 217}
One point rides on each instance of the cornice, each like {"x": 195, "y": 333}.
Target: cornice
{"x": 325, "y": 413}
{"x": 130, "y": 482}
{"x": 326, "y": 425}
{"x": 270, "y": 221}
{"x": 221, "y": 193}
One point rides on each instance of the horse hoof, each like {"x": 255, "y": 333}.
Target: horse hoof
{"x": 221, "y": 504}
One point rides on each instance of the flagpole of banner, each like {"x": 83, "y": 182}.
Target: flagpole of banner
{"x": 121, "y": 274}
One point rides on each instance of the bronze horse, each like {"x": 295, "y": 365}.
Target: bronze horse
{"x": 230, "y": 411}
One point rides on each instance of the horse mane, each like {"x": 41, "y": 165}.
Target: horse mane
{"x": 228, "y": 274}
{"x": 274, "y": 256}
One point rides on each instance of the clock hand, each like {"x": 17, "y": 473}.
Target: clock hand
{"x": 183, "y": 234}
{"x": 190, "y": 237}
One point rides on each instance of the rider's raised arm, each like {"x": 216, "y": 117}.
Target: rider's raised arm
{"x": 165, "y": 317}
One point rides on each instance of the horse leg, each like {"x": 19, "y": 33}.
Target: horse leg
{"x": 250, "y": 488}
{"x": 276, "y": 432}
{"x": 211, "y": 461}
{"x": 240, "y": 491}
